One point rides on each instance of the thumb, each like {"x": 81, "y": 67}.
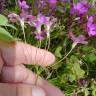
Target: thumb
{"x": 20, "y": 90}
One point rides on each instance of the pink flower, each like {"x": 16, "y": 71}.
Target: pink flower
{"x": 13, "y": 17}
{"x": 22, "y": 4}
{"x": 47, "y": 22}
{"x": 91, "y": 26}
{"x": 77, "y": 40}
{"x": 40, "y": 35}
{"x": 80, "y": 8}
{"x": 52, "y": 2}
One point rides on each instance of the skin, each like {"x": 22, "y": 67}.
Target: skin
{"x": 16, "y": 79}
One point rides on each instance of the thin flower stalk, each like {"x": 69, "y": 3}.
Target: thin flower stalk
{"x": 76, "y": 40}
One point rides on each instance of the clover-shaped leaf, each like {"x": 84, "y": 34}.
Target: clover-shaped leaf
{"x": 3, "y": 20}
{"x": 5, "y": 36}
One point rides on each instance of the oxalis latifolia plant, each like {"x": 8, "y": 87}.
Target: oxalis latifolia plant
{"x": 54, "y": 23}
{"x": 42, "y": 24}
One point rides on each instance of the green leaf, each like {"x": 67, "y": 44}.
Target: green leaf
{"x": 57, "y": 52}
{"x": 60, "y": 9}
{"x": 93, "y": 87}
{"x": 72, "y": 77}
{"x": 92, "y": 57}
{"x": 10, "y": 25}
{"x": 76, "y": 71}
{"x": 94, "y": 92}
{"x": 3, "y": 20}
{"x": 5, "y": 36}
{"x": 86, "y": 92}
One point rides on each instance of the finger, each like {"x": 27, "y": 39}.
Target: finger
{"x": 26, "y": 76}
{"x": 49, "y": 88}
{"x": 1, "y": 63}
{"x": 27, "y": 54}
{"x": 15, "y": 74}
{"x": 20, "y": 90}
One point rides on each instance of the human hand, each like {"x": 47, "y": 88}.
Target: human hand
{"x": 16, "y": 80}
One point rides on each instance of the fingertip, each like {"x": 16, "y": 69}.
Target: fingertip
{"x": 13, "y": 74}
{"x": 29, "y": 90}
{"x": 49, "y": 88}
{"x": 38, "y": 56}
{"x": 49, "y": 59}
{"x": 37, "y": 91}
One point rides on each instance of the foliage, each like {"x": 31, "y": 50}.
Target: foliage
{"x": 71, "y": 36}
{"x": 4, "y": 35}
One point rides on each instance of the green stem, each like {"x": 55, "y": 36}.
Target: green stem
{"x": 22, "y": 25}
{"x": 46, "y": 48}
{"x": 16, "y": 2}
{"x": 37, "y": 68}
{"x": 49, "y": 40}
{"x": 74, "y": 45}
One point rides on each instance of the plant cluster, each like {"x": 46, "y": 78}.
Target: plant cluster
{"x": 65, "y": 27}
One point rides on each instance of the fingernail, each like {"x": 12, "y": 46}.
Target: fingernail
{"x": 37, "y": 91}
{"x": 49, "y": 58}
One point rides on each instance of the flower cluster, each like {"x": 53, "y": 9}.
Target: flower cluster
{"x": 80, "y": 8}
{"x": 47, "y": 22}
{"x": 46, "y": 6}
{"x": 34, "y": 21}
{"x": 23, "y": 15}
{"x": 23, "y": 5}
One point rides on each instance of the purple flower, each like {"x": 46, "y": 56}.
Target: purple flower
{"x": 77, "y": 40}
{"x": 38, "y": 22}
{"x": 81, "y": 82}
{"x": 92, "y": 30}
{"x": 22, "y": 4}
{"x": 52, "y": 2}
{"x": 80, "y": 8}
{"x": 47, "y": 22}
{"x": 30, "y": 19}
{"x": 22, "y": 17}
{"x": 90, "y": 21}
{"x": 91, "y": 26}
{"x": 41, "y": 19}
{"x": 40, "y": 35}
{"x": 41, "y": 5}
{"x": 13, "y": 17}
